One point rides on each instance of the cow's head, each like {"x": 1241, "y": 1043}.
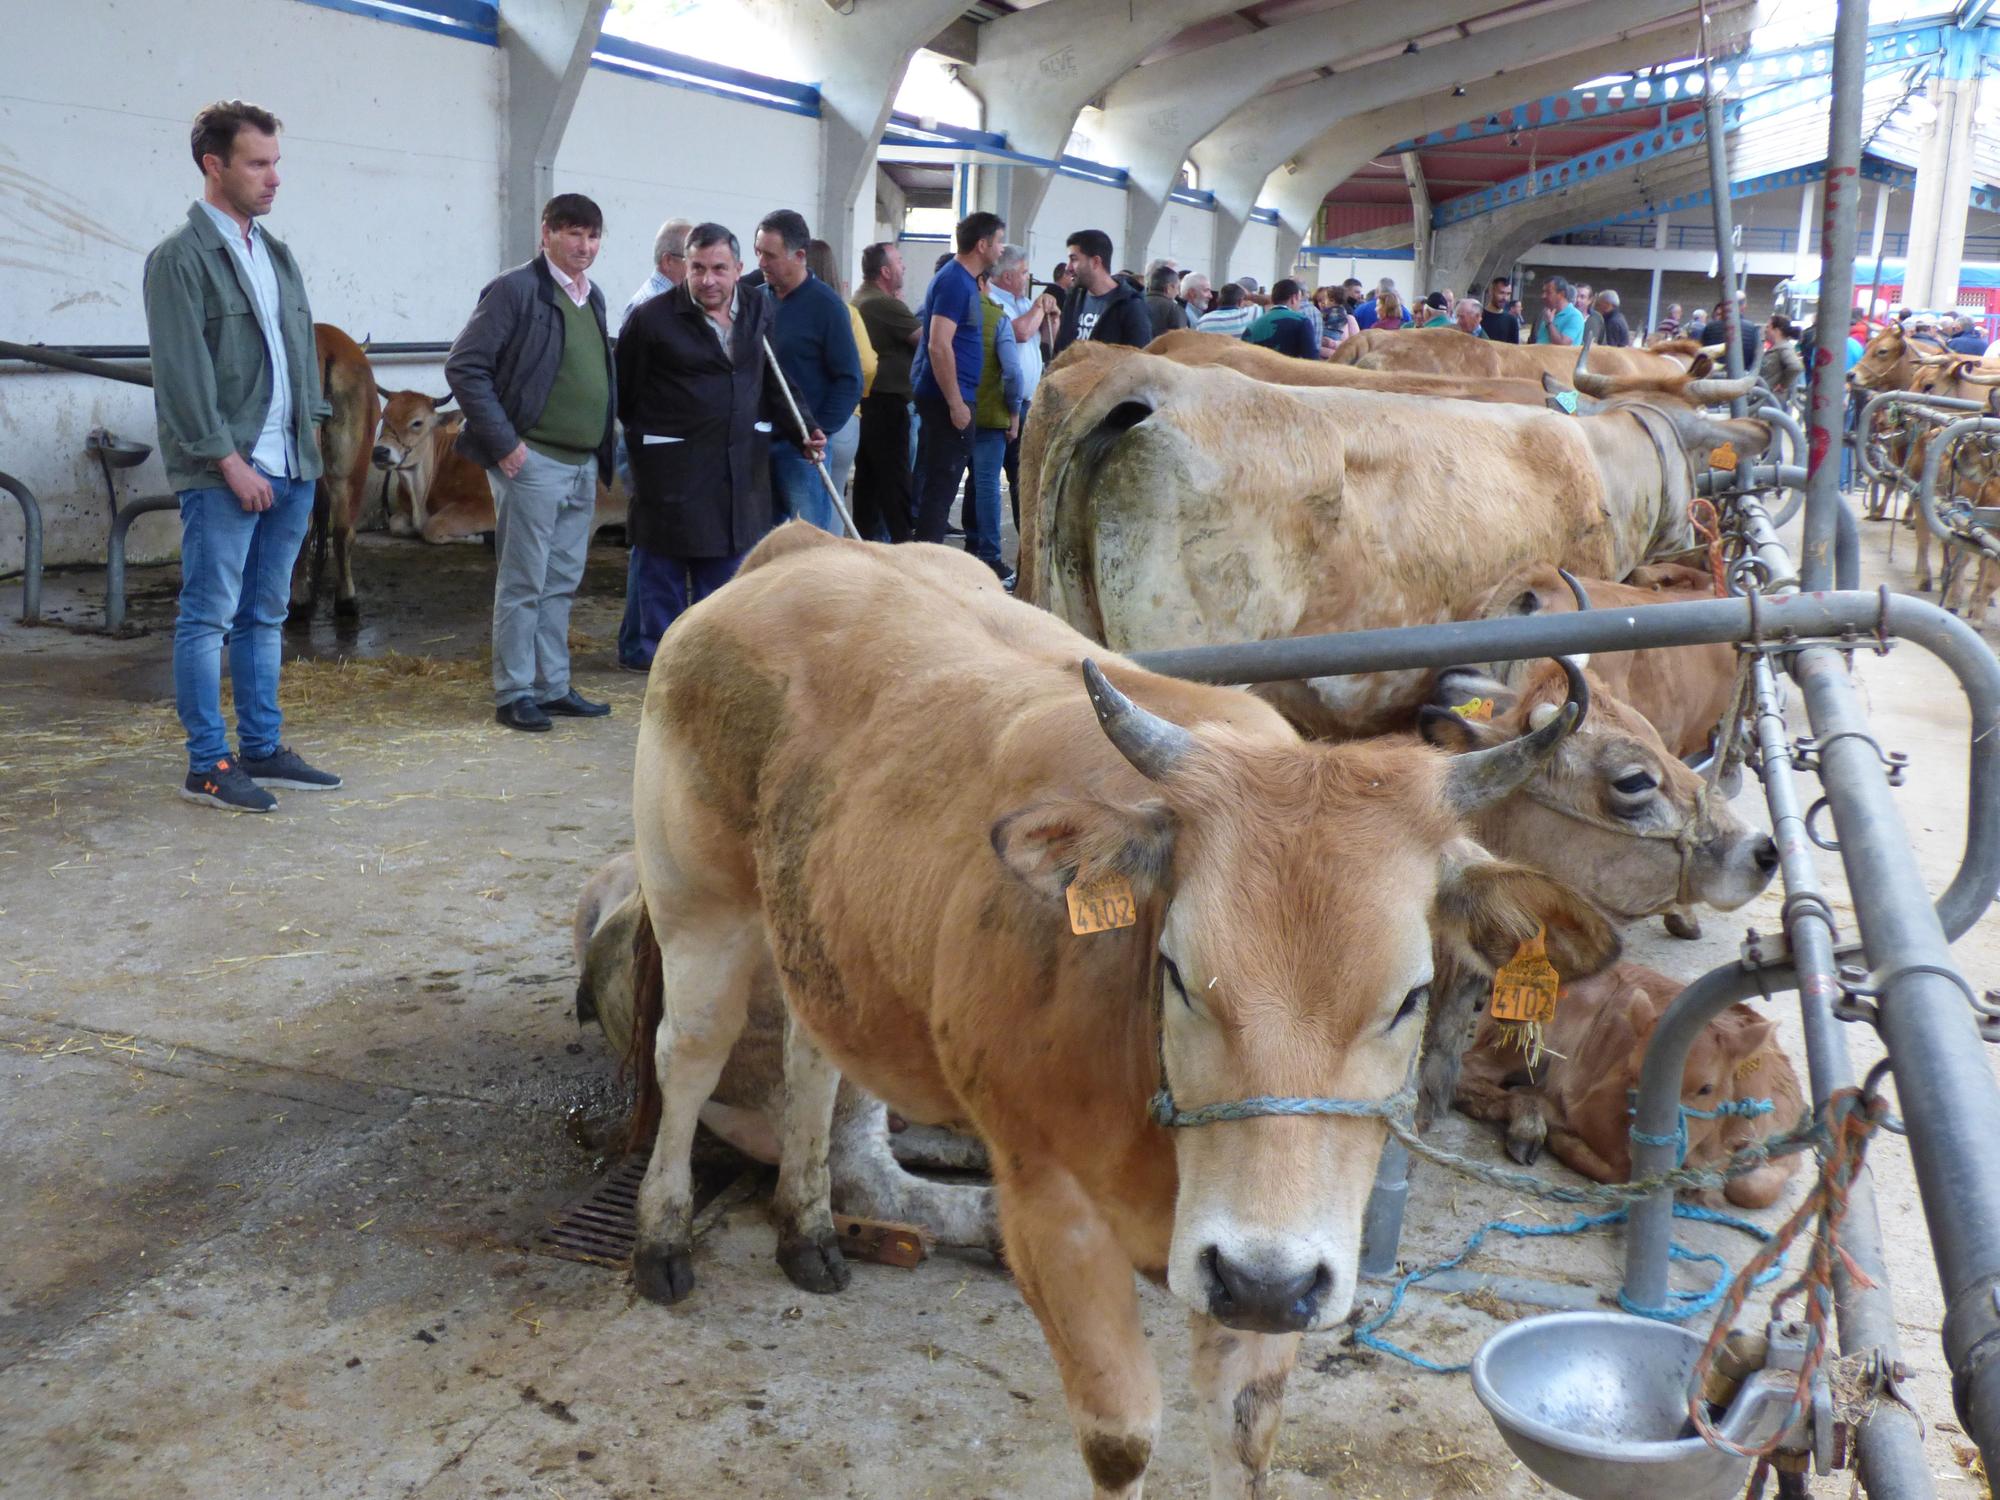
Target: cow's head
{"x": 1301, "y": 898}
{"x": 1612, "y": 811}
{"x": 409, "y": 418}
{"x": 1891, "y": 360}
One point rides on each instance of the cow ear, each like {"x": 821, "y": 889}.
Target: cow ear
{"x": 1751, "y": 1036}
{"x": 1528, "y": 602}
{"x": 1700, "y": 367}
{"x": 1489, "y": 907}
{"x": 1047, "y": 844}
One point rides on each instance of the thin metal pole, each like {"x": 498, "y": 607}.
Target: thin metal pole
{"x": 805, "y": 432}
{"x": 1839, "y": 212}
{"x": 31, "y": 548}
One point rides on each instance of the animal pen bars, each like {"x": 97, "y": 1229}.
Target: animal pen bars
{"x": 1899, "y": 975}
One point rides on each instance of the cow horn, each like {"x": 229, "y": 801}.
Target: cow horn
{"x": 1603, "y": 387}
{"x": 1575, "y": 587}
{"x": 1480, "y": 778}
{"x": 1716, "y": 392}
{"x": 1151, "y": 743}
{"x": 1980, "y": 377}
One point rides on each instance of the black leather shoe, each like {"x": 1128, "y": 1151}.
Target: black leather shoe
{"x": 522, "y": 714}
{"x": 573, "y": 705}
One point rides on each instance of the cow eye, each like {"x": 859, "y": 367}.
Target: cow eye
{"x": 1173, "y": 973}
{"x": 1638, "y": 784}
{"x": 1412, "y": 1003}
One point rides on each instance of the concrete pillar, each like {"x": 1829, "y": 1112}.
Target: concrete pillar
{"x": 1420, "y": 225}
{"x": 1942, "y": 195}
{"x": 546, "y": 45}
{"x": 1881, "y": 229}
{"x": 860, "y": 58}
{"x": 1660, "y": 253}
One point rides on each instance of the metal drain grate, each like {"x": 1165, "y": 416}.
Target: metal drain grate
{"x": 600, "y": 1227}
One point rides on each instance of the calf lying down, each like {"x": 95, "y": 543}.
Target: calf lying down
{"x": 1575, "y": 1098}
{"x": 868, "y": 1181}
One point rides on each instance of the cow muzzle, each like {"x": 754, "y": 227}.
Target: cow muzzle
{"x": 1258, "y": 1294}
{"x": 392, "y": 459}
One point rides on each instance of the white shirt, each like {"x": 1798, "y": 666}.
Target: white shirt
{"x": 579, "y": 289}
{"x": 276, "y": 449}
{"x": 724, "y": 334}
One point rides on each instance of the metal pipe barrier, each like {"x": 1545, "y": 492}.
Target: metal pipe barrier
{"x": 1725, "y": 238}
{"x": 31, "y": 548}
{"x": 76, "y": 364}
{"x": 1968, "y": 532}
{"x": 1917, "y": 403}
{"x": 114, "y": 555}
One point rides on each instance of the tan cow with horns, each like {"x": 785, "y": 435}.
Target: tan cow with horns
{"x": 875, "y": 765}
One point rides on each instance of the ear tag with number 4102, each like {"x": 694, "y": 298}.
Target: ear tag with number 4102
{"x": 1525, "y": 987}
{"x": 1101, "y": 903}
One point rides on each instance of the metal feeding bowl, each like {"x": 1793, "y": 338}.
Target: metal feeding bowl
{"x": 1595, "y": 1403}
{"x": 118, "y": 452}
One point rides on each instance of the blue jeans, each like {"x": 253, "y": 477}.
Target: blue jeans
{"x": 236, "y": 579}
{"x": 667, "y": 587}
{"x": 628, "y": 628}
{"x": 796, "y": 487}
{"x": 982, "y": 526}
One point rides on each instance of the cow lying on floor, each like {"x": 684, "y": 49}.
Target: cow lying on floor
{"x": 868, "y": 1181}
{"x": 1575, "y": 1099}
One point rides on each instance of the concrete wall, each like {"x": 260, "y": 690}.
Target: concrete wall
{"x": 1186, "y": 237}
{"x": 1074, "y": 203}
{"x": 1330, "y": 270}
{"x": 391, "y": 160}
{"x": 1256, "y": 254}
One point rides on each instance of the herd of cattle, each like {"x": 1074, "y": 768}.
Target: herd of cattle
{"x": 906, "y": 842}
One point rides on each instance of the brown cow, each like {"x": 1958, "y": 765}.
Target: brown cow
{"x": 867, "y": 1179}
{"x": 875, "y": 766}
{"x": 1575, "y": 1098}
{"x": 439, "y": 493}
{"x": 1446, "y": 351}
{"x": 1683, "y": 691}
{"x": 345, "y": 439}
{"x": 1177, "y": 506}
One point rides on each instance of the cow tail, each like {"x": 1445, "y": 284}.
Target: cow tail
{"x": 322, "y": 491}
{"x": 648, "y": 1010}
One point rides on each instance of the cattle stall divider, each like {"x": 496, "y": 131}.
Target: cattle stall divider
{"x": 1898, "y": 975}
{"x": 94, "y": 360}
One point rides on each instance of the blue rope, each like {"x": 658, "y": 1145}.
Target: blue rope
{"x": 1745, "y": 1108}
{"x": 1686, "y": 1305}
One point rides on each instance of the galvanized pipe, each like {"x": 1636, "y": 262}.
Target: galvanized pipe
{"x": 1864, "y": 426}
{"x": 1946, "y": 1090}
{"x": 1696, "y": 623}
{"x": 31, "y": 548}
{"x": 1725, "y": 234}
{"x": 114, "y": 555}
{"x": 1840, "y": 200}
{"x": 56, "y": 359}
{"x": 1941, "y": 443}
{"x": 1788, "y": 424}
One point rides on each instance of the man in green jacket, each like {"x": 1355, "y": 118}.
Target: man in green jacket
{"x": 236, "y": 392}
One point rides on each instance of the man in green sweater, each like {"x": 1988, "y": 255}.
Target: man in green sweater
{"x": 532, "y": 372}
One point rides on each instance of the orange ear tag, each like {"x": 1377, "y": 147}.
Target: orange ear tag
{"x": 1750, "y": 1065}
{"x": 1101, "y": 903}
{"x": 1723, "y": 457}
{"x": 1478, "y": 710}
{"x": 1525, "y": 987}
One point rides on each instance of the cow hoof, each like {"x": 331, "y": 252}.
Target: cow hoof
{"x": 299, "y": 616}
{"x": 1679, "y": 924}
{"x": 1527, "y": 1150}
{"x": 662, "y": 1274}
{"x": 347, "y": 609}
{"x": 813, "y": 1265}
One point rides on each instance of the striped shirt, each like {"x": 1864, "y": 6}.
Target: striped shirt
{"x": 1234, "y": 321}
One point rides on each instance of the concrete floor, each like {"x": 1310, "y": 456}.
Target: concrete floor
{"x": 283, "y": 1099}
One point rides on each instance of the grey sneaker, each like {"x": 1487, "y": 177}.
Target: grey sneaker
{"x": 282, "y": 767}
{"x": 226, "y": 785}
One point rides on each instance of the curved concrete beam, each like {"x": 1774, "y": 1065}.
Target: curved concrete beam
{"x": 1339, "y": 152}
{"x": 861, "y": 57}
{"x": 1037, "y": 68}
{"x": 1155, "y": 114}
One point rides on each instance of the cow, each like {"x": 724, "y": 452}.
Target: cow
{"x": 1682, "y": 691}
{"x": 875, "y": 767}
{"x": 345, "y": 440}
{"x": 439, "y": 493}
{"x": 1574, "y": 1097}
{"x": 1446, "y": 351}
{"x": 1965, "y": 473}
{"x": 1890, "y": 360}
{"x": 868, "y": 1180}
{"x": 1177, "y": 506}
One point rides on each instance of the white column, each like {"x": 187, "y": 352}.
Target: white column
{"x": 1805, "y": 260}
{"x": 546, "y": 45}
{"x": 1881, "y": 219}
{"x": 1659, "y": 260}
{"x": 1939, "y": 203}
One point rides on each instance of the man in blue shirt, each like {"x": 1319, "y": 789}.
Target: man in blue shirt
{"x": 1561, "y": 322}
{"x": 1966, "y": 339}
{"x": 813, "y": 337}
{"x": 945, "y": 373}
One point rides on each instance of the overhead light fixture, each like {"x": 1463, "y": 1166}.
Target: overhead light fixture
{"x": 1412, "y": 49}
{"x": 1492, "y": 122}
{"x": 1458, "y": 92}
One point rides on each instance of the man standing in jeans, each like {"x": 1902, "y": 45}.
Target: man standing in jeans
{"x": 236, "y": 390}
{"x": 532, "y": 373}
{"x": 946, "y": 374}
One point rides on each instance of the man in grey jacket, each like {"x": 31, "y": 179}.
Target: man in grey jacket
{"x": 532, "y": 373}
{"x": 236, "y": 392}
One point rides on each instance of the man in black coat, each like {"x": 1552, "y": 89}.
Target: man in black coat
{"x": 701, "y": 404}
